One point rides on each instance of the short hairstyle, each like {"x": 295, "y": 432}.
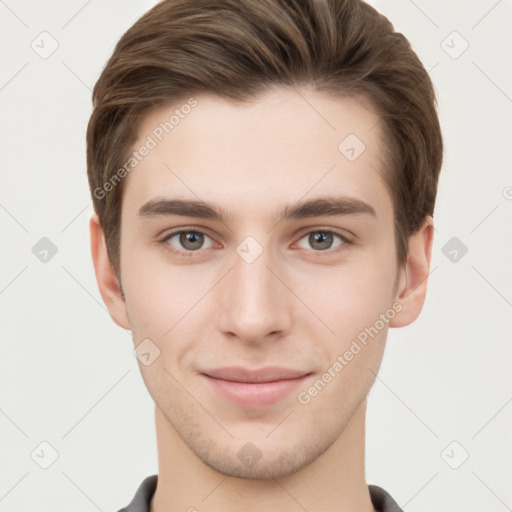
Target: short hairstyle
{"x": 237, "y": 50}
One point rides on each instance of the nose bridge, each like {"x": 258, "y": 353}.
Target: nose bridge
{"x": 253, "y": 279}
{"x": 252, "y": 298}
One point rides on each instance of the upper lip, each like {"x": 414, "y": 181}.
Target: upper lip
{"x": 269, "y": 374}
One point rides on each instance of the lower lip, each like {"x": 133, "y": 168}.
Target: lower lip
{"x": 259, "y": 394}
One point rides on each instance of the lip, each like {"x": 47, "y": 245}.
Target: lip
{"x": 254, "y": 388}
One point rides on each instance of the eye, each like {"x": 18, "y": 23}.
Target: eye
{"x": 322, "y": 239}
{"x": 189, "y": 241}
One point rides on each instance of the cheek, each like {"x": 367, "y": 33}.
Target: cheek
{"x": 352, "y": 298}
{"x": 351, "y": 356}
{"x": 160, "y": 297}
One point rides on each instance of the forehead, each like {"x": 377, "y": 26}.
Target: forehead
{"x": 257, "y": 156}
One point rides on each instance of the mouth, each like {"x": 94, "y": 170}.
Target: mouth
{"x": 254, "y": 388}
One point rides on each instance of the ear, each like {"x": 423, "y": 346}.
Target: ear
{"x": 412, "y": 287}
{"x": 106, "y": 278}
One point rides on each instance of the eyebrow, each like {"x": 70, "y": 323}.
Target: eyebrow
{"x": 319, "y": 207}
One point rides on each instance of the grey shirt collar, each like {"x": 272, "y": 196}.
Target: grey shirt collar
{"x": 381, "y": 499}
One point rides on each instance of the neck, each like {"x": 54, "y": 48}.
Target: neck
{"x": 334, "y": 481}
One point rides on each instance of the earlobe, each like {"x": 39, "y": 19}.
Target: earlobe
{"x": 412, "y": 288}
{"x": 106, "y": 278}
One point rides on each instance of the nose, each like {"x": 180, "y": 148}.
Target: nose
{"x": 254, "y": 303}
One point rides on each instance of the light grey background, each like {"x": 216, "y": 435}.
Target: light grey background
{"x": 68, "y": 375}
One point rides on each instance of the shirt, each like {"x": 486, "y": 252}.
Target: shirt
{"x": 381, "y": 500}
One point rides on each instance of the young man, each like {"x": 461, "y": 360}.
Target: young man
{"x": 264, "y": 175}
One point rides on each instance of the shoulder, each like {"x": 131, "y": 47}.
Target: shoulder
{"x": 382, "y": 500}
{"x": 142, "y": 498}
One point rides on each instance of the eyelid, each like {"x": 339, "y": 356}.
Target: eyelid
{"x": 346, "y": 235}
{"x": 331, "y": 251}
{"x": 185, "y": 229}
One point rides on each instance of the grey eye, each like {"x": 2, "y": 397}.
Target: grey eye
{"x": 321, "y": 240}
{"x": 189, "y": 240}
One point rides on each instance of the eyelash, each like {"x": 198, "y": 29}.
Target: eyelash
{"x": 191, "y": 254}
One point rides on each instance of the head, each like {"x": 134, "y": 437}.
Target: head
{"x": 306, "y": 136}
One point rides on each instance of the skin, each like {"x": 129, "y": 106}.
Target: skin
{"x": 295, "y": 306}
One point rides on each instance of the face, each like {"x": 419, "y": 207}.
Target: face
{"x": 255, "y": 282}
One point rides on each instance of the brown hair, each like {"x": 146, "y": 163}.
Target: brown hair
{"x": 236, "y": 49}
